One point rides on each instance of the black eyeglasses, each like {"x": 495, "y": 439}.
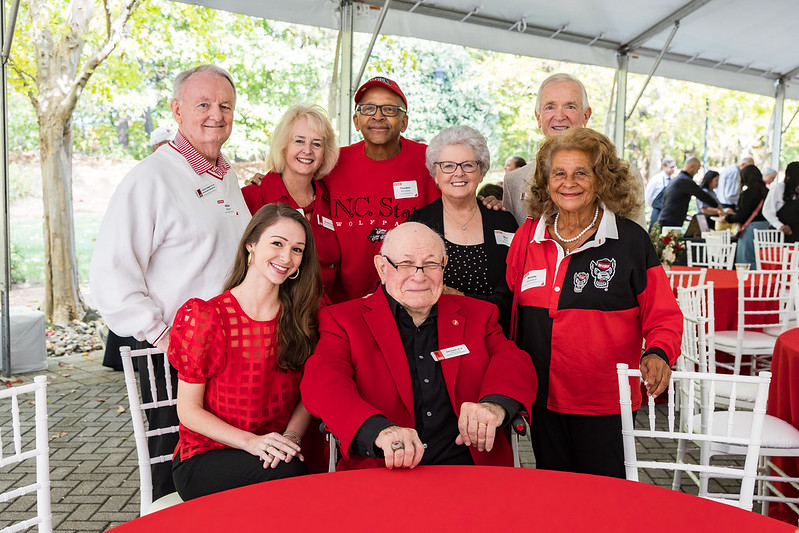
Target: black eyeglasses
{"x": 448, "y": 167}
{"x": 409, "y": 270}
{"x": 387, "y": 110}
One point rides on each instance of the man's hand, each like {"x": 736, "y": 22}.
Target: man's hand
{"x": 655, "y": 373}
{"x": 786, "y": 229}
{"x": 401, "y": 447}
{"x": 255, "y": 180}
{"x": 478, "y": 423}
{"x": 491, "y": 203}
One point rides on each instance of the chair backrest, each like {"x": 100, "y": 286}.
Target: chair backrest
{"x": 686, "y": 278}
{"x": 763, "y": 236}
{"x": 722, "y": 234}
{"x": 777, "y": 256}
{"x": 662, "y": 423}
{"x": 766, "y": 298}
{"x": 712, "y": 254}
{"x": 20, "y": 447}
{"x": 699, "y": 328}
{"x": 137, "y": 415}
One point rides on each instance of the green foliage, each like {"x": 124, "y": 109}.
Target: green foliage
{"x": 15, "y": 262}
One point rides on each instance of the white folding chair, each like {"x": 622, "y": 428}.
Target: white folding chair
{"x": 777, "y": 256}
{"x": 14, "y": 451}
{"x": 765, "y": 236}
{"x": 723, "y": 235}
{"x": 708, "y": 432}
{"x": 137, "y": 415}
{"x": 686, "y": 278}
{"x": 711, "y": 254}
{"x": 757, "y": 290}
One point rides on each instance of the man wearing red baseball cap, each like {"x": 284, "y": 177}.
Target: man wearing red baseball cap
{"x": 377, "y": 183}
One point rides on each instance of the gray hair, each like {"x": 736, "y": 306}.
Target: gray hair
{"x": 559, "y": 78}
{"x": 768, "y": 171}
{"x": 668, "y": 161}
{"x": 458, "y": 135}
{"x": 183, "y": 77}
{"x": 386, "y": 245}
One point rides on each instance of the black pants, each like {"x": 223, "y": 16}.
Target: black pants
{"x": 587, "y": 444}
{"x": 160, "y": 418}
{"x": 218, "y": 470}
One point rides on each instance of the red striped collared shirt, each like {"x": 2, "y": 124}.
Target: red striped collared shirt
{"x": 198, "y": 162}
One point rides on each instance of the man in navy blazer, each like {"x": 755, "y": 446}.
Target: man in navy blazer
{"x": 409, "y": 376}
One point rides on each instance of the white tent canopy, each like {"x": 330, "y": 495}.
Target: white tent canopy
{"x": 733, "y": 44}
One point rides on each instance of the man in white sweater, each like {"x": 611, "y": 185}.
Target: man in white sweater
{"x": 171, "y": 230}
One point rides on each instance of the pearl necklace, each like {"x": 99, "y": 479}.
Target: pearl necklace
{"x": 588, "y": 227}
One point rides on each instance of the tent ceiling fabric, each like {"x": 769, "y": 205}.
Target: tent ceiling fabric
{"x": 725, "y": 43}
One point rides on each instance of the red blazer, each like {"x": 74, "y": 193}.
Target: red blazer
{"x": 360, "y": 369}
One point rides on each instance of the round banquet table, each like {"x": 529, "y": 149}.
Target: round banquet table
{"x": 725, "y": 295}
{"x": 783, "y": 402}
{"x": 453, "y": 498}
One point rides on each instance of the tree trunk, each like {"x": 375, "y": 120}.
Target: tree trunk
{"x": 62, "y": 298}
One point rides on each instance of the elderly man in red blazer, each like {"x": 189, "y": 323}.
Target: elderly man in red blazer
{"x": 409, "y": 376}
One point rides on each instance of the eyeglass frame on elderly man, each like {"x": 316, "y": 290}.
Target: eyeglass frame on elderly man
{"x": 473, "y": 162}
{"x": 406, "y": 267}
{"x": 384, "y": 109}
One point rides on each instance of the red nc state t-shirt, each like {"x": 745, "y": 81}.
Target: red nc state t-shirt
{"x": 368, "y": 198}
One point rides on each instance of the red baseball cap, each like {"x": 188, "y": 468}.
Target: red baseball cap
{"x": 380, "y": 81}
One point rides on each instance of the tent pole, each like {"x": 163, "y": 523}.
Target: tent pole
{"x": 375, "y": 33}
{"x": 6, "y": 36}
{"x": 655, "y": 66}
{"x": 345, "y": 79}
{"x": 776, "y": 139}
{"x": 621, "y": 102}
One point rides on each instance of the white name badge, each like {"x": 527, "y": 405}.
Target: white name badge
{"x": 534, "y": 278}
{"x": 503, "y": 237}
{"x": 325, "y": 222}
{"x": 208, "y": 189}
{"x": 227, "y": 209}
{"x": 449, "y": 353}
{"x": 405, "y": 189}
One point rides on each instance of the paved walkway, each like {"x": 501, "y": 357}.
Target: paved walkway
{"x": 94, "y": 472}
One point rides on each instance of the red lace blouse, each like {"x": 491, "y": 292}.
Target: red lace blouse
{"x": 216, "y": 343}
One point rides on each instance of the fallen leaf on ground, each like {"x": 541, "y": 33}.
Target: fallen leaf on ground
{"x": 66, "y": 375}
{"x": 57, "y": 435}
{"x": 101, "y": 399}
{"x": 120, "y": 409}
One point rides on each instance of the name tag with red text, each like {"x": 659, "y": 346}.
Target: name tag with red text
{"x": 449, "y": 353}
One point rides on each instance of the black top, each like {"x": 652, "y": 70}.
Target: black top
{"x": 677, "y": 197}
{"x": 435, "y": 419}
{"x": 432, "y": 216}
{"x": 467, "y": 269}
{"x": 750, "y": 198}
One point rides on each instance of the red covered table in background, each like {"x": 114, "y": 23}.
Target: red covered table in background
{"x": 725, "y": 295}
{"x": 783, "y": 402}
{"x": 456, "y": 499}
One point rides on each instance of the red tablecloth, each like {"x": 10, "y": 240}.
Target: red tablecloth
{"x": 783, "y": 402}
{"x": 725, "y": 295}
{"x": 453, "y": 498}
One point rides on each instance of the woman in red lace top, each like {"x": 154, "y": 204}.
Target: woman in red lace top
{"x": 240, "y": 356}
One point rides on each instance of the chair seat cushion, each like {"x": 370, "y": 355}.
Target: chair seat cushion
{"x": 753, "y": 341}
{"x": 173, "y": 498}
{"x": 777, "y": 433}
{"x": 743, "y": 391}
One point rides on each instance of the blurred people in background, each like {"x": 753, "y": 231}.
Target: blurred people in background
{"x": 730, "y": 183}
{"x": 709, "y": 183}
{"x": 749, "y": 213}
{"x": 514, "y": 162}
{"x": 491, "y": 189}
{"x": 769, "y": 175}
{"x": 656, "y": 186}
{"x": 678, "y": 195}
{"x": 781, "y": 207}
